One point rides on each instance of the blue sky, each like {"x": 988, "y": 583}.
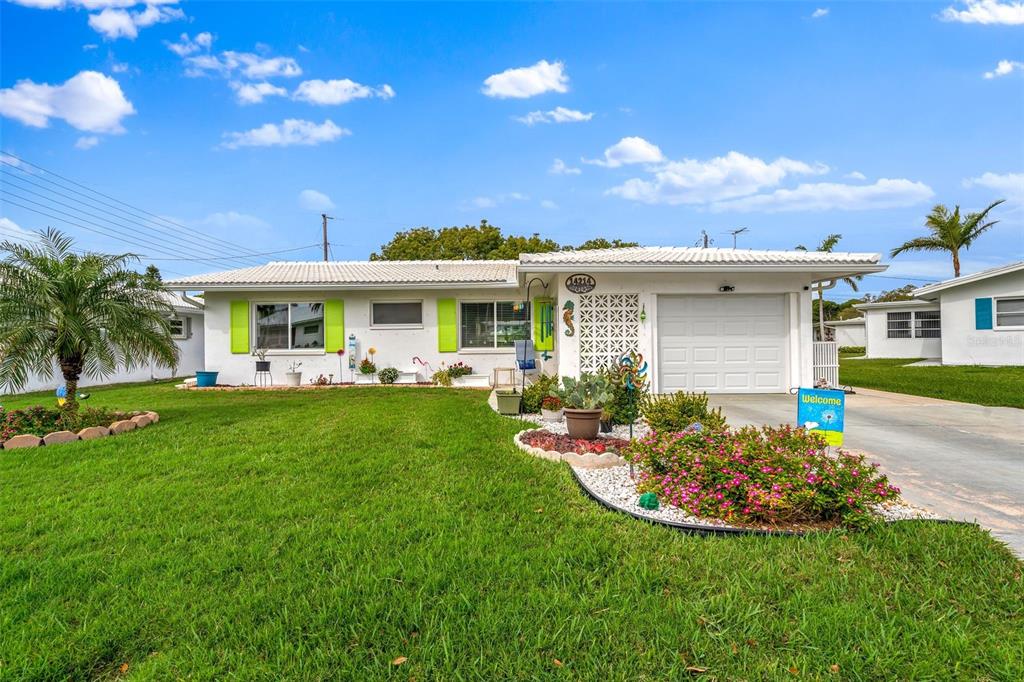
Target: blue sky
{"x": 643, "y": 122}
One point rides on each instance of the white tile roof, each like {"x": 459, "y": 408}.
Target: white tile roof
{"x": 932, "y": 289}
{"x": 676, "y": 255}
{"x": 181, "y": 303}
{"x": 359, "y": 273}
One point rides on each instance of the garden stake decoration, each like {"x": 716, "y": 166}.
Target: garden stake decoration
{"x": 567, "y": 312}
{"x": 648, "y": 501}
{"x": 633, "y": 373}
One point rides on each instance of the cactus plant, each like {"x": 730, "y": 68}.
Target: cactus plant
{"x": 589, "y": 392}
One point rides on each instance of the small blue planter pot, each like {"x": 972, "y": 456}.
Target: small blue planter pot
{"x": 206, "y": 379}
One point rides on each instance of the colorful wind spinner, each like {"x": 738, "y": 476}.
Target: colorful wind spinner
{"x": 633, "y": 370}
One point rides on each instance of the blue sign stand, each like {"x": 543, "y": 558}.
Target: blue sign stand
{"x": 822, "y": 410}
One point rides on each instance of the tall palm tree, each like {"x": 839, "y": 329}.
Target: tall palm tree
{"x": 88, "y": 313}
{"x": 826, "y": 245}
{"x": 950, "y": 232}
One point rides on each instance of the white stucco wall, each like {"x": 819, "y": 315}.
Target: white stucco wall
{"x": 191, "y": 354}
{"x": 395, "y": 347}
{"x": 849, "y": 334}
{"x": 962, "y": 344}
{"x": 650, "y": 285}
{"x": 880, "y": 346}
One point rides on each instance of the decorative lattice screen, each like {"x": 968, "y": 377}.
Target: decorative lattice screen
{"x": 609, "y": 325}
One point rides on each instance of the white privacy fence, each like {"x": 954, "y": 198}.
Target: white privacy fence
{"x": 826, "y": 363}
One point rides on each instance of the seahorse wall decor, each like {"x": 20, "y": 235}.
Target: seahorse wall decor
{"x": 567, "y": 312}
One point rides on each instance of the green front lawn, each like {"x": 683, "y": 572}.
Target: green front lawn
{"x": 328, "y": 534}
{"x": 980, "y": 385}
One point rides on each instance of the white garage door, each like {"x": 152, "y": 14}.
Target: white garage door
{"x": 722, "y": 344}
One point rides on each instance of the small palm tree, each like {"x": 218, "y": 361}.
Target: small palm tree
{"x": 88, "y": 313}
{"x": 950, "y": 232}
{"x": 826, "y": 245}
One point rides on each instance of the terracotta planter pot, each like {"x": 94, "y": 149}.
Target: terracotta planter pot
{"x": 582, "y": 423}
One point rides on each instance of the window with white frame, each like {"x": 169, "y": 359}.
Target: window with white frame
{"x": 180, "y": 327}
{"x": 396, "y": 314}
{"x": 927, "y": 324}
{"x": 899, "y": 325}
{"x": 289, "y": 326}
{"x": 493, "y": 324}
{"x": 920, "y": 324}
{"x": 1009, "y": 313}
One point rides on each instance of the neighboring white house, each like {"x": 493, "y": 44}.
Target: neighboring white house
{"x": 902, "y": 329}
{"x": 716, "y": 320}
{"x": 982, "y": 316}
{"x": 187, "y": 330}
{"x": 848, "y": 332}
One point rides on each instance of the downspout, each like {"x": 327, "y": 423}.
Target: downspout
{"x": 822, "y": 287}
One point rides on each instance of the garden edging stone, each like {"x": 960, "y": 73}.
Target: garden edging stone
{"x": 93, "y": 432}
{"x": 58, "y": 437}
{"x": 122, "y": 426}
{"x": 589, "y": 460}
{"x": 25, "y": 440}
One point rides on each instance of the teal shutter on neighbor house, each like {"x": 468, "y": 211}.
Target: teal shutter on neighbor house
{"x": 983, "y": 313}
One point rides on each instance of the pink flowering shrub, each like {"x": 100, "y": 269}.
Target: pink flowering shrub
{"x": 768, "y": 475}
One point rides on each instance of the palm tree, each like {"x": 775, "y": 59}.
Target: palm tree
{"x": 826, "y": 245}
{"x": 950, "y": 232}
{"x": 88, "y": 313}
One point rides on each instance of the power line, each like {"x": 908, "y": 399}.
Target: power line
{"x": 265, "y": 253}
{"x": 123, "y": 203}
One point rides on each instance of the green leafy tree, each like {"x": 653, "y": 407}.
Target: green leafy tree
{"x": 152, "y": 277}
{"x": 602, "y": 243}
{"x": 950, "y": 232}
{"x": 827, "y": 245}
{"x": 88, "y": 313}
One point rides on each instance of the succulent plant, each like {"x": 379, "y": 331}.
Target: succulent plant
{"x": 589, "y": 392}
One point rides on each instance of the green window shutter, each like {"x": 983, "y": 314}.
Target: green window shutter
{"x": 543, "y": 324}
{"x": 239, "y": 326}
{"x": 983, "y": 313}
{"x": 334, "y": 325}
{"x": 447, "y": 326}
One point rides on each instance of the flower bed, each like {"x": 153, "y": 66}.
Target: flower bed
{"x": 773, "y": 475}
{"x": 597, "y": 453}
{"x": 34, "y": 426}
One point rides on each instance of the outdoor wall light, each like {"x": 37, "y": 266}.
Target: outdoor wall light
{"x": 726, "y": 288}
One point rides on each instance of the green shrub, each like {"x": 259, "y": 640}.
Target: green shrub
{"x": 852, "y": 350}
{"x": 624, "y": 406}
{"x": 442, "y": 378}
{"x": 675, "y": 412}
{"x": 388, "y": 375}
{"x": 535, "y": 393}
{"x": 39, "y": 421}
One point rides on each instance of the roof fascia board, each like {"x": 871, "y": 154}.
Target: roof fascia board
{"x": 329, "y": 286}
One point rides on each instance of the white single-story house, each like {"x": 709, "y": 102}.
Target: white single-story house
{"x": 716, "y": 320}
{"x": 982, "y": 316}
{"x": 187, "y": 328}
{"x": 902, "y": 329}
{"x": 848, "y": 332}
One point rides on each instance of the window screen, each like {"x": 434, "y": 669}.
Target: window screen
{"x": 1010, "y": 312}
{"x": 898, "y": 325}
{"x": 272, "y": 326}
{"x": 927, "y": 324}
{"x": 476, "y": 326}
{"x": 302, "y": 317}
{"x": 410, "y": 312}
{"x": 281, "y": 326}
{"x": 513, "y": 322}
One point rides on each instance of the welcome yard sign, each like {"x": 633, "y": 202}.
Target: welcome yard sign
{"x": 822, "y": 410}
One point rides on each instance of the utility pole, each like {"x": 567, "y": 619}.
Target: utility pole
{"x": 325, "y": 218}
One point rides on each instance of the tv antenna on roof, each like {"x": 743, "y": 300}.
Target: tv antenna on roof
{"x": 705, "y": 240}
{"x": 737, "y": 232}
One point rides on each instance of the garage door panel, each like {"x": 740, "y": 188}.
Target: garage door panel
{"x": 722, "y": 343}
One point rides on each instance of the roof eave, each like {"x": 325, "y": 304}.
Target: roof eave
{"x": 829, "y": 269}
{"x": 320, "y": 286}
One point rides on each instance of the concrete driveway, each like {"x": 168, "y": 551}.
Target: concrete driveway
{"x": 960, "y": 461}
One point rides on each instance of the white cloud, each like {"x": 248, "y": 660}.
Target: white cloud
{"x": 248, "y": 64}
{"x": 232, "y": 219}
{"x": 986, "y": 12}
{"x": 1004, "y": 68}
{"x": 119, "y": 23}
{"x": 254, "y": 93}
{"x": 556, "y": 115}
{"x": 819, "y": 13}
{"x": 186, "y": 46}
{"x": 831, "y": 196}
{"x": 285, "y": 134}
{"x": 89, "y": 101}
{"x": 855, "y": 175}
{"x": 548, "y": 204}
{"x": 311, "y": 200}
{"x": 338, "y": 91}
{"x": 1008, "y": 185}
{"x": 12, "y": 230}
{"x": 629, "y": 150}
{"x": 86, "y": 142}
{"x": 558, "y": 167}
{"x": 527, "y": 81}
{"x": 492, "y": 202}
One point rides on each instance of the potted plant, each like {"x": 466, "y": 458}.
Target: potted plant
{"x": 262, "y": 364}
{"x": 366, "y": 371}
{"x": 583, "y": 400}
{"x": 551, "y": 409}
{"x": 388, "y": 375}
{"x": 509, "y": 400}
{"x": 293, "y": 377}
